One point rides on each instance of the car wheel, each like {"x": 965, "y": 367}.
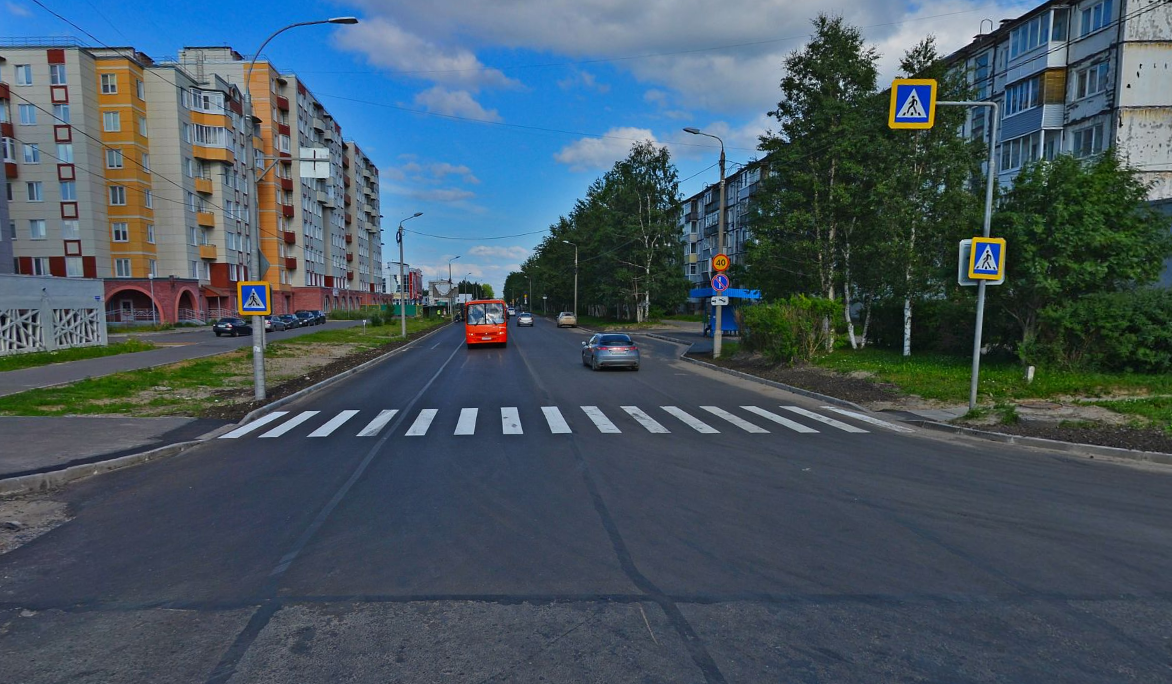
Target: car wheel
{"x": 217, "y": 332}
{"x": 634, "y": 368}
{"x": 593, "y": 363}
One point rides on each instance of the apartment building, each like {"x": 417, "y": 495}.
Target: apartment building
{"x": 362, "y": 218}
{"x": 1077, "y": 78}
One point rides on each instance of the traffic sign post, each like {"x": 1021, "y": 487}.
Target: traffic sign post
{"x": 913, "y": 103}
{"x": 987, "y": 259}
{"x": 720, "y": 282}
{"x": 252, "y": 298}
{"x": 720, "y": 263}
{"x": 963, "y": 261}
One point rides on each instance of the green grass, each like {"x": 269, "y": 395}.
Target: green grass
{"x": 35, "y": 359}
{"x": 729, "y": 348}
{"x": 1156, "y": 409}
{"x": 372, "y": 336}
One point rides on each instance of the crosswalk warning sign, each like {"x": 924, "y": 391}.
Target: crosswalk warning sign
{"x": 987, "y": 259}
{"x": 253, "y": 298}
{"x": 913, "y": 103}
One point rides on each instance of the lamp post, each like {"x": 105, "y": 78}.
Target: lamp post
{"x": 258, "y": 357}
{"x": 450, "y": 286}
{"x": 716, "y": 332}
{"x": 575, "y": 277}
{"x": 402, "y": 306}
{"x": 154, "y": 321}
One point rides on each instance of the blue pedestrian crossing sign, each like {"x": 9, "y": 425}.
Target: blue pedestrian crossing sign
{"x": 913, "y": 103}
{"x": 253, "y": 298}
{"x": 987, "y": 259}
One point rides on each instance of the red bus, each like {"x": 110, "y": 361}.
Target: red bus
{"x": 486, "y": 322}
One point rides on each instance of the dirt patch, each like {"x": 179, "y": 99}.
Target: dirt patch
{"x": 23, "y": 519}
{"x": 856, "y": 387}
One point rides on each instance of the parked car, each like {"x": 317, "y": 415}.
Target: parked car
{"x": 231, "y": 326}
{"x": 307, "y": 317}
{"x": 274, "y": 324}
{"x": 525, "y": 318}
{"x": 321, "y": 316}
{"x": 610, "y": 349}
{"x": 568, "y": 318}
{"x": 290, "y": 321}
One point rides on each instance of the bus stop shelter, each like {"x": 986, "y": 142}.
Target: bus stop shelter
{"x": 728, "y": 319}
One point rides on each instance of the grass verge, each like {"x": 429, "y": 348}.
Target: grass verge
{"x": 35, "y": 359}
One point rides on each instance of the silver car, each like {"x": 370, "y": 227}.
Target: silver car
{"x": 568, "y": 318}
{"x": 610, "y": 349}
{"x": 525, "y": 318}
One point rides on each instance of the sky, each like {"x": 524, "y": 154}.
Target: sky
{"x": 491, "y": 117}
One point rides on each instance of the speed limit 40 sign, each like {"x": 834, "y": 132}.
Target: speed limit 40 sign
{"x": 720, "y": 263}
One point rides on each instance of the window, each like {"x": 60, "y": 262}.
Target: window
{"x": 8, "y": 149}
{"x": 28, "y": 114}
{"x": 1092, "y": 80}
{"x": 1059, "y": 30}
{"x": 41, "y": 266}
{"x": 189, "y": 167}
{"x": 146, "y": 163}
{"x": 24, "y": 74}
{"x": 33, "y": 189}
{"x": 120, "y": 231}
{"x": 71, "y": 229}
{"x": 1029, "y": 35}
{"x": 111, "y": 121}
{"x": 73, "y": 267}
{"x": 1020, "y": 151}
{"x": 32, "y": 153}
{"x": 210, "y": 135}
{"x": 194, "y": 269}
{"x": 122, "y": 268}
{"x": 4, "y": 116}
{"x": 142, "y": 125}
{"x": 65, "y": 153}
{"x": 1094, "y": 18}
{"x": 232, "y": 274}
{"x": 57, "y": 74}
{"x": 192, "y": 233}
{"x": 113, "y": 158}
{"x": 185, "y": 99}
{"x": 1088, "y": 141}
{"x": 153, "y": 268}
{"x": 117, "y": 196}
{"x": 186, "y": 132}
{"x": 139, "y": 89}
{"x": 68, "y": 191}
{"x": 148, "y": 199}
{"x": 36, "y": 229}
{"x": 61, "y": 113}
{"x": 109, "y": 84}
{"x": 1022, "y": 96}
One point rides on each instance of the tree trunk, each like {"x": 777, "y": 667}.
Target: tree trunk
{"x": 907, "y": 326}
{"x": 867, "y": 301}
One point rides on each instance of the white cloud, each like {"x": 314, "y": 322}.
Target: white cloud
{"x": 584, "y": 80}
{"x": 515, "y": 252}
{"x": 442, "y": 195}
{"x": 18, "y": 10}
{"x": 440, "y": 100}
{"x": 602, "y": 153}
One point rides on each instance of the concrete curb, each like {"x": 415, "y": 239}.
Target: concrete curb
{"x": 40, "y": 482}
{"x": 771, "y": 383}
{"x": 1091, "y": 450}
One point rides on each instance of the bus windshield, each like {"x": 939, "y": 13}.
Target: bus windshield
{"x": 486, "y": 313}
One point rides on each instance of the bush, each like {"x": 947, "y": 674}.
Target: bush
{"x": 375, "y": 320}
{"x": 789, "y": 330}
{"x": 1126, "y": 331}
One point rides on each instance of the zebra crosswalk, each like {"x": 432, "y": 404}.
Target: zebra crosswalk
{"x": 662, "y": 420}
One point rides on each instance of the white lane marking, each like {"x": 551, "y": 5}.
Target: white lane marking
{"x": 739, "y": 422}
{"x": 422, "y": 422}
{"x": 823, "y": 419}
{"x": 645, "y": 420}
{"x": 868, "y": 419}
{"x": 510, "y": 421}
{"x": 467, "y": 423}
{"x": 249, "y": 427}
{"x": 557, "y": 424}
{"x": 335, "y": 423}
{"x": 290, "y": 424}
{"x": 380, "y": 421}
{"x": 600, "y": 420}
{"x": 796, "y": 427}
{"x": 691, "y": 421}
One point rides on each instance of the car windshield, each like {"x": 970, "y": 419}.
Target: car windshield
{"x": 614, "y": 339}
{"x": 488, "y": 313}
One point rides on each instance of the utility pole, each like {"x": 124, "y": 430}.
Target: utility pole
{"x": 717, "y": 328}
{"x": 402, "y": 304}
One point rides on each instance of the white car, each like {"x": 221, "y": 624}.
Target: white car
{"x": 568, "y": 318}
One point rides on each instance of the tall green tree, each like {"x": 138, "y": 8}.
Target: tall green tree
{"x": 1075, "y": 228}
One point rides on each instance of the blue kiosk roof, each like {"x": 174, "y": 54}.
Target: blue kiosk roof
{"x": 735, "y": 293}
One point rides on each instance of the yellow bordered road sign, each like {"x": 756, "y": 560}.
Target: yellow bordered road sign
{"x": 987, "y": 259}
{"x": 720, "y": 263}
{"x": 913, "y": 103}
{"x": 252, "y": 298}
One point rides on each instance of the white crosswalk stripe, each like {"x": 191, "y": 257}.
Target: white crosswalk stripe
{"x": 422, "y": 422}
{"x": 869, "y": 419}
{"x": 735, "y": 420}
{"x": 691, "y": 421}
{"x": 249, "y": 427}
{"x": 334, "y": 423}
{"x": 467, "y": 423}
{"x": 600, "y": 420}
{"x": 290, "y": 424}
{"x": 645, "y": 420}
{"x": 557, "y": 424}
{"x": 510, "y": 421}
{"x": 769, "y": 415}
{"x": 380, "y": 421}
{"x": 823, "y": 419}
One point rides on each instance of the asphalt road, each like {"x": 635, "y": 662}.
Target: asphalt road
{"x": 644, "y": 544}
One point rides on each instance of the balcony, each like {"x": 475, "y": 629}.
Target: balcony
{"x": 290, "y": 263}
{"x": 286, "y": 184}
{"x": 349, "y": 238}
{"x": 345, "y": 162}
{"x": 346, "y": 180}
{"x": 368, "y": 191}
{"x": 325, "y": 200}
{"x": 289, "y": 236}
{"x": 349, "y": 256}
{"x": 348, "y": 200}
{"x": 328, "y": 135}
{"x": 207, "y": 252}
{"x": 349, "y": 218}
{"x": 6, "y": 130}
{"x": 4, "y": 91}
{"x": 219, "y": 154}
{"x": 283, "y": 129}
{"x": 203, "y": 185}
{"x": 206, "y": 219}
{"x": 10, "y": 170}
{"x": 287, "y": 210}
{"x": 349, "y": 275}
{"x": 318, "y": 124}
{"x": 282, "y": 103}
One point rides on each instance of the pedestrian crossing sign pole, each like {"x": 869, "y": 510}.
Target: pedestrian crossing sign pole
{"x": 252, "y": 298}
{"x": 913, "y": 103}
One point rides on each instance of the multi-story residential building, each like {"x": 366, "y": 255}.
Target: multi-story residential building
{"x": 362, "y": 218}
{"x": 1077, "y": 78}
{"x": 412, "y": 290}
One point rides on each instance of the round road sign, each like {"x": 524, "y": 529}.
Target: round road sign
{"x": 720, "y": 263}
{"x": 720, "y": 282}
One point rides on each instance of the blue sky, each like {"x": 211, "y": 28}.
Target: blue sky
{"x": 493, "y": 116}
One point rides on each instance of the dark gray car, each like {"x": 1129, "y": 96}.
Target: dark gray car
{"x": 610, "y": 350}
{"x": 231, "y": 327}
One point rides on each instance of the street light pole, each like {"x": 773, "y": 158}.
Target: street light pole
{"x": 450, "y": 286}
{"x": 154, "y": 321}
{"x": 402, "y": 306}
{"x": 258, "y": 327}
{"x": 575, "y": 277}
{"x": 717, "y": 328}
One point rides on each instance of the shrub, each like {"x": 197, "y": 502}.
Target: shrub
{"x": 1125, "y": 331}
{"x": 375, "y": 320}
{"x": 788, "y": 330}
